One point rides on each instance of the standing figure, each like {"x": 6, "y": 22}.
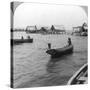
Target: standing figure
{"x": 49, "y": 45}
{"x": 28, "y": 37}
{"x": 69, "y": 41}
{"x": 22, "y": 38}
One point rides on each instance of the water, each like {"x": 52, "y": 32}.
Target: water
{"x": 32, "y": 66}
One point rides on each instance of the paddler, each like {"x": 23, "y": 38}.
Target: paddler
{"x": 28, "y": 37}
{"x": 69, "y": 41}
{"x": 49, "y": 45}
{"x": 22, "y": 38}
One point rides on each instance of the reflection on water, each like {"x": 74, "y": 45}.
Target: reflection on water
{"x": 33, "y": 66}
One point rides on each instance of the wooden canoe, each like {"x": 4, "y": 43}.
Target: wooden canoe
{"x": 80, "y": 77}
{"x": 20, "y": 41}
{"x": 60, "y": 51}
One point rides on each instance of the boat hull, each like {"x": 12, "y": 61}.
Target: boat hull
{"x": 80, "y": 77}
{"x": 60, "y": 51}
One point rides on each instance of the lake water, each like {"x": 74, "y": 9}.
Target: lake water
{"x": 32, "y": 66}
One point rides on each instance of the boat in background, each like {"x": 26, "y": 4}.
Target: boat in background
{"x": 60, "y": 51}
{"x": 80, "y": 77}
{"x": 20, "y": 41}
{"x": 84, "y": 34}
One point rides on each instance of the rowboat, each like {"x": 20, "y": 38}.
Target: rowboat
{"x": 20, "y": 41}
{"x": 60, "y": 51}
{"x": 80, "y": 77}
{"x": 84, "y": 34}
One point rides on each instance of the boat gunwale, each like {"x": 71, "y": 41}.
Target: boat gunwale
{"x": 76, "y": 74}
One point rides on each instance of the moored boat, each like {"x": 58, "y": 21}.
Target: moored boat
{"x": 20, "y": 41}
{"x": 60, "y": 51}
{"x": 84, "y": 34}
{"x": 80, "y": 77}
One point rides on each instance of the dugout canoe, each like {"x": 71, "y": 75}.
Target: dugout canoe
{"x": 80, "y": 77}
{"x": 20, "y": 41}
{"x": 60, "y": 51}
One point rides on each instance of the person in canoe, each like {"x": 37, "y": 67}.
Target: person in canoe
{"x": 28, "y": 37}
{"x": 22, "y": 38}
{"x": 69, "y": 42}
{"x": 49, "y": 45}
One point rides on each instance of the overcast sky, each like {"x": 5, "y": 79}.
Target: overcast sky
{"x": 47, "y": 15}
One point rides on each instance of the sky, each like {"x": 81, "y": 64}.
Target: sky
{"x": 30, "y": 14}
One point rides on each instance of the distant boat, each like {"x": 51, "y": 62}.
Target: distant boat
{"x": 84, "y": 34}
{"x": 20, "y": 41}
{"x": 60, "y": 51}
{"x": 80, "y": 77}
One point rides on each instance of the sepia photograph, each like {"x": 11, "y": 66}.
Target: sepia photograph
{"x": 49, "y": 44}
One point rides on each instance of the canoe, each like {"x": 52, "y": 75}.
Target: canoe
{"x": 60, "y": 51}
{"x": 84, "y": 34}
{"x": 80, "y": 77}
{"x": 20, "y": 41}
